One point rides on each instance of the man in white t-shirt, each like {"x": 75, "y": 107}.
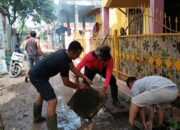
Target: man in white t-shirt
{"x": 150, "y": 91}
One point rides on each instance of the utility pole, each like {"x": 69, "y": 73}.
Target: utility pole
{"x": 76, "y": 16}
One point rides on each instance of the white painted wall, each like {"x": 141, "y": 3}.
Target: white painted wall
{"x": 5, "y": 34}
{"x": 1, "y": 32}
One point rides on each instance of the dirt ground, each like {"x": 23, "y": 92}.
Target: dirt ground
{"x": 16, "y": 102}
{"x": 16, "y": 98}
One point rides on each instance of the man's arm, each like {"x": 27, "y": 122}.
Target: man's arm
{"x": 39, "y": 47}
{"x": 79, "y": 74}
{"x": 70, "y": 84}
{"x": 80, "y": 65}
{"x": 25, "y": 46}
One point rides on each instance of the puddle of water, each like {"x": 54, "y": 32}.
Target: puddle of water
{"x": 69, "y": 120}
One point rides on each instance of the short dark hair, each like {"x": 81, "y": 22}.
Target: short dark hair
{"x": 104, "y": 52}
{"x": 75, "y": 46}
{"x": 33, "y": 34}
{"x": 130, "y": 80}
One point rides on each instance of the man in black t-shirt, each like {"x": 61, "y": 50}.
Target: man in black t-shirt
{"x": 57, "y": 62}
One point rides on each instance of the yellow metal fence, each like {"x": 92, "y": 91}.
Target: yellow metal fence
{"x": 143, "y": 55}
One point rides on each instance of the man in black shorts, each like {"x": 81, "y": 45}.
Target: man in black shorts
{"x": 57, "y": 62}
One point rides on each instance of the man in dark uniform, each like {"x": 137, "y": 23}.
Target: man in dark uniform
{"x": 57, "y": 62}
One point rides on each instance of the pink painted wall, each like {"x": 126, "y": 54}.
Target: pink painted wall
{"x": 154, "y": 6}
{"x": 105, "y": 20}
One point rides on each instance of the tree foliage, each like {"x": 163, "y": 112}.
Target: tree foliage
{"x": 23, "y": 9}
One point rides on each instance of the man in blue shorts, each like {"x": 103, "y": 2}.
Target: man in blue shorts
{"x": 150, "y": 91}
{"x": 57, "y": 62}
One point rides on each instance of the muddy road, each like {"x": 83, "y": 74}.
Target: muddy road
{"x": 16, "y": 101}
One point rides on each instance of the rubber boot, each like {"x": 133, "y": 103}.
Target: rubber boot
{"x": 52, "y": 122}
{"x": 37, "y": 117}
{"x": 130, "y": 127}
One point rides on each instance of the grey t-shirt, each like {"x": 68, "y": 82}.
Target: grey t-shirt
{"x": 149, "y": 82}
